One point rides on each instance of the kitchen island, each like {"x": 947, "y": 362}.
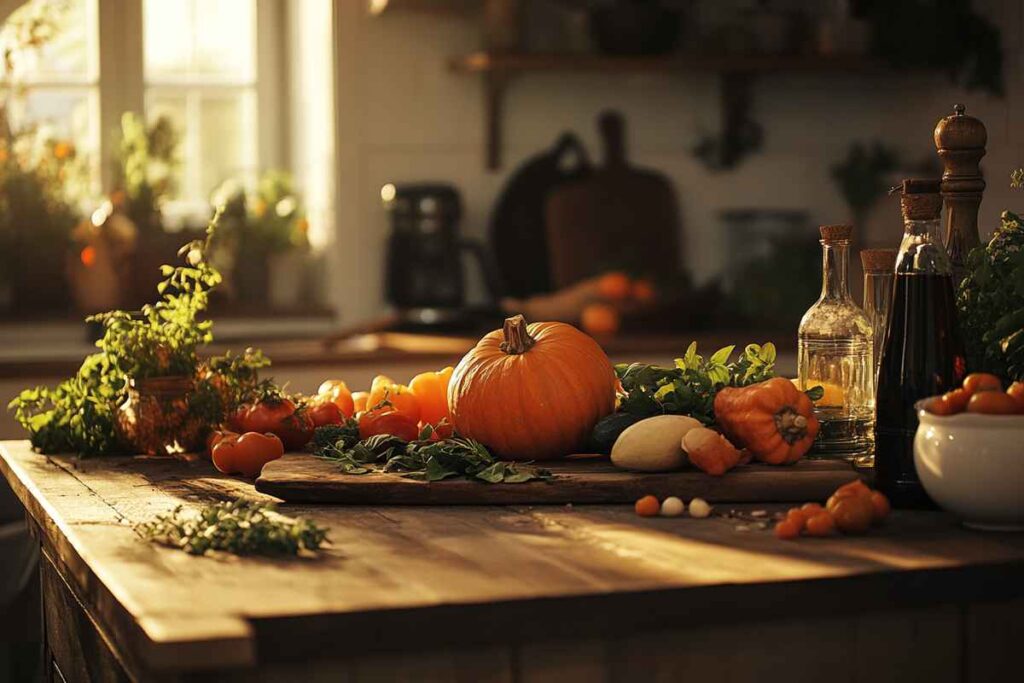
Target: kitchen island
{"x": 476, "y": 593}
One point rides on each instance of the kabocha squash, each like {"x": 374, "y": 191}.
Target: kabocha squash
{"x": 773, "y": 419}
{"x": 532, "y": 392}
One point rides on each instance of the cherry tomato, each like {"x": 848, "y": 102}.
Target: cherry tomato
{"x": 812, "y": 508}
{"x": 390, "y": 422}
{"x": 247, "y": 454}
{"x": 217, "y": 436}
{"x": 821, "y": 525}
{"x": 266, "y": 415}
{"x": 614, "y": 286}
{"x": 788, "y": 529}
{"x": 323, "y": 411}
{"x": 993, "y": 403}
{"x": 1017, "y": 391}
{"x": 431, "y": 392}
{"x": 643, "y": 291}
{"x": 359, "y": 401}
{"x": 853, "y": 514}
{"x": 648, "y": 506}
{"x": 336, "y": 391}
{"x": 982, "y": 381}
{"x": 798, "y": 517}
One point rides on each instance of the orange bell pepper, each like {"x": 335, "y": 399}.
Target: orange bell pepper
{"x": 773, "y": 419}
{"x": 247, "y": 454}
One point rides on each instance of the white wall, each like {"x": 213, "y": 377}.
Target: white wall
{"x": 402, "y": 116}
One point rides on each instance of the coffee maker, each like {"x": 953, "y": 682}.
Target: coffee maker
{"x": 424, "y": 278}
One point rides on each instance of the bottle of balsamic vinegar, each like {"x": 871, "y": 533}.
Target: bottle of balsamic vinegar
{"x": 923, "y": 353}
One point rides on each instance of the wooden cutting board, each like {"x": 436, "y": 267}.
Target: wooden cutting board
{"x": 304, "y": 478}
{"x": 617, "y": 218}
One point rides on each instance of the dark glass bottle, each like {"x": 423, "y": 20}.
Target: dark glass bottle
{"x": 923, "y": 353}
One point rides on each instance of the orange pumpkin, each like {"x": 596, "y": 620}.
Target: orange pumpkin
{"x": 532, "y": 392}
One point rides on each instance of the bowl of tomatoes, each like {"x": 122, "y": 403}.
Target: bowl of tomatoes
{"x": 969, "y": 452}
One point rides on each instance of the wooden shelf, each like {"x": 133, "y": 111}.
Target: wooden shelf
{"x": 485, "y": 62}
{"x": 498, "y": 68}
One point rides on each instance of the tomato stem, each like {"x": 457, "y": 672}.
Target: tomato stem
{"x": 517, "y": 336}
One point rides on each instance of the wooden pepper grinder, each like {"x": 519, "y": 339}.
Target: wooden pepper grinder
{"x": 960, "y": 140}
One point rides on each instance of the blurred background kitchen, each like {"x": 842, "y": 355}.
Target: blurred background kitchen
{"x": 397, "y": 174}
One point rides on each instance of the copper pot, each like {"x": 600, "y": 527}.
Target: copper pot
{"x": 155, "y": 417}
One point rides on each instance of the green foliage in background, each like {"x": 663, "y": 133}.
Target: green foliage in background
{"x": 146, "y": 167}
{"x": 268, "y": 219}
{"x": 991, "y": 302}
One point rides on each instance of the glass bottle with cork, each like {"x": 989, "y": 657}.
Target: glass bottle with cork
{"x": 834, "y": 351}
{"x": 922, "y": 354}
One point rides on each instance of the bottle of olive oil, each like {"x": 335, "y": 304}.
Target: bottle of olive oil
{"x": 835, "y": 345}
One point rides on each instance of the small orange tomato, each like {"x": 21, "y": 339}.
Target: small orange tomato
{"x": 821, "y": 525}
{"x": 853, "y": 515}
{"x": 648, "y": 506}
{"x": 812, "y": 508}
{"x": 982, "y": 381}
{"x": 599, "y": 320}
{"x": 431, "y": 392}
{"x": 644, "y": 292}
{"x": 992, "y": 403}
{"x": 798, "y": 517}
{"x": 614, "y": 286}
{"x": 337, "y": 392}
{"x": 384, "y": 391}
{"x": 788, "y": 529}
{"x": 880, "y": 506}
{"x": 359, "y": 399}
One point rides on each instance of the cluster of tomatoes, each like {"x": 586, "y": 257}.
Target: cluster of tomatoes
{"x": 852, "y": 509}
{"x": 616, "y": 291}
{"x": 262, "y": 431}
{"x": 981, "y": 393}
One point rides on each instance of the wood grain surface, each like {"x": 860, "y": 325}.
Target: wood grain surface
{"x": 305, "y": 478}
{"x": 488, "y": 583}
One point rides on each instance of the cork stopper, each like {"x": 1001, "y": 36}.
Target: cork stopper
{"x": 878, "y": 260}
{"x": 835, "y": 233}
{"x": 921, "y": 199}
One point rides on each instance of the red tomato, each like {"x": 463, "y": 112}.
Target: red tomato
{"x": 993, "y": 403}
{"x": 391, "y": 422}
{"x": 324, "y": 412}
{"x": 215, "y": 437}
{"x": 247, "y": 454}
{"x": 982, "y": 381}
{"x": 853, "y": 514}
{"x": 266, "y": 416}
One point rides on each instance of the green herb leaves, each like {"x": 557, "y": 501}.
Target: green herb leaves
{"x": 991, "y": 302}
{"x": 689, "y": 388}
{"x": 241, "y": 527}
{"x": 424, "y": 459}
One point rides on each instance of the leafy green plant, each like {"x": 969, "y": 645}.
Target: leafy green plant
{"x": 269, "y": 219}
{"x": 425, "y": 459}
{"x": 147, "y": 163}
{"x": 991, "y": 302}
{"x": 240, "y": 527}
{"x": 689, "y": 388}
{"x": 164, "y": 339}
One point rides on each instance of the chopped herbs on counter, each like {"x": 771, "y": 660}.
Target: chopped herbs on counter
{"x": 241, "y": 527}
{"x": 426, "y": 459}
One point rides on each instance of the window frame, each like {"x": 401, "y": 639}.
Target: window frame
{"x": 122, "y": 87}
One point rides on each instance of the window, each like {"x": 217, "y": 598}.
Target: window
{"x": 56, "y": 87}
{"x": 194, "y": 61}
{"x": 200, "y": 71}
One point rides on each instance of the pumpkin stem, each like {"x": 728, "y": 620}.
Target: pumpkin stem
{"x": 517, "y": 336}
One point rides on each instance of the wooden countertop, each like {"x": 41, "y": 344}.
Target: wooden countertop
{"x": 397, "y": 579}
{"x": 35, "y": 359}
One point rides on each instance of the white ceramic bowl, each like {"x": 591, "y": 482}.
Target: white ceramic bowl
{"x": 973, "y": 466}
